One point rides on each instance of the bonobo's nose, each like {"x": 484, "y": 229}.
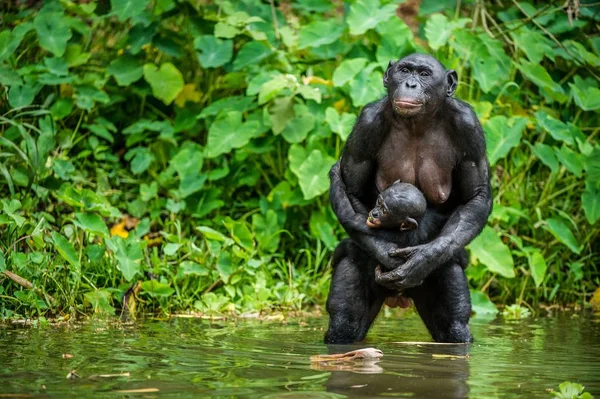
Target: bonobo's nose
{"x": 411, "y": 83}
{"x": 375, "y": 214}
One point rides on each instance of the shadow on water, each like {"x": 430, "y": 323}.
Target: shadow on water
{"x": 197, "y": 358}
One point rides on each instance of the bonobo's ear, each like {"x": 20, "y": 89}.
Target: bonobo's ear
{"x": 452, "y": 80}
{"x": 386, "y": 75}
{"x": 409, "y": 224}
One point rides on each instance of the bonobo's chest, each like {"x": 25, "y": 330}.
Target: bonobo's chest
{"x": 425, "y": 160}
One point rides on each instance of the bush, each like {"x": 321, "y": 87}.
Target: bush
{"x": 186, "y": 145}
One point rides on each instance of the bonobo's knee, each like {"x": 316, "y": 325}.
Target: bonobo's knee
{"x": 457, "y": 332}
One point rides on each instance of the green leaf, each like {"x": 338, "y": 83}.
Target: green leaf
{"x": 157, "y": 289}
{"x": 271, "y": 88}
{"x": 537, "y": 265}
{"x": 563, "y": 233}
{"x": 126, "y": 69}
{"x": 438, "y": 29}
{"x": 557, "y": 129}
{"x": 319, "y": 33}
{"x": 22, "y": 96}
{"x": 586, "y": 97}
{"x": 242, "y": 235}
{"x": 166, "y": 82}
{"x": 10, "y": 208}
{"x": 190, "y": 268}
{"x": 100, "y": 300}
{"x": 591, "y": 202}
{"x": 502, "y": 134}
{"x": 367, "y": 86}
{"x": 313, "y": 174}
{"x": 141, "y": 158}
{"x": 534, "y": 44}
{"x": 2, "y": 262}
{"x": 367, "y": 14}
{"x": 92, "y": 223}
{"x": 53, "y": 32}
{"x": 125, "y": 9}
{"x": 233, "y": 103}
{"x": 546, "y": 154}
{"x": 212, "y": 234}
{"x": 340, "y": 124}
{"x": 310, "y": 93}
{"x": 228, "y": 132}
{"x": 8, "y": 44}
{"x": 493, "y": 253}
{"x": 8, "y": 77}
{"x": 252, "y": 53}
{"x": 129, "y": 256}
{"x": 347, "y": 70}
{"x": 299, "y": 127}
{"x": 281, "y": 113}
{"x": 226, "y": 31}
{"x": 481, "y": 304}
{"x": 171, "y": 248}
{"x": 65, "y": 249}
{"x": 541, "y": 78}
{"x": 267, "y": 230}
{"x": 213, "y": 52}
{"x": 572, "y": 160}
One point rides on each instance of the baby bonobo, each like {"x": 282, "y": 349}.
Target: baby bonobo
{"x": 402, "y": 206}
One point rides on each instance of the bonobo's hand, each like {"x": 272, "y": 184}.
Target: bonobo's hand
{"x": 420, "y": 261}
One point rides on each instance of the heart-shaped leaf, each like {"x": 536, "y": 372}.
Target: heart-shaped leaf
{"x": 228, "y": 132}
{"x": 53, "y": 32}
{"x": 91, "y": 223}
{"x": 493, "y": 253}
{"x": 340, "y": 124}
{"x": 166, "y": 81}
{"x": 126, "y": 69}
{"x": 252, "y": 53}
{"x": 125, "y": 9}
{"x": 319, "y": 33}
{"x": 213, "y": 52}
{"x": 502, "y": 134}
{"x": 367, "y": 14}
{"x": 313, "y": 174}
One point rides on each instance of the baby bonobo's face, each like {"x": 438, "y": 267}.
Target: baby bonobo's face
{"x": 399, "y": 206}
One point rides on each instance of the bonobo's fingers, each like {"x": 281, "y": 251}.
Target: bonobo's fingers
{"x": 402, "y": 252}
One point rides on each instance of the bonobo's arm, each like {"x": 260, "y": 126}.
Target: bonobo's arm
{"x": 353, "y": 181}
{"x": 471, "y": 179}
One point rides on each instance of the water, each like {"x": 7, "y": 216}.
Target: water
{"x": 197, "y": 358}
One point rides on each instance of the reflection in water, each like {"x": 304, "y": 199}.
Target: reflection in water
{"x": 196, "y": 358}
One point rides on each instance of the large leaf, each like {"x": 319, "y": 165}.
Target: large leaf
{"x": 53, "y": 32}
{"x": 367, "y": 86}
{"x": 166, "y": 81}
{"x": 299, "y": 127}
{"x": 557, "y": 129}
{"x": 591, "y": 202}
{"x": 502, "y": 134}
{"x": 563, "y": 233}
{"x": 8, "y": 44}
{"x": 367, "y": 14}
{"x": 213, "y": 52}
{"x": 125, "y": 9}
{"x": 313, "y": 174}
{"x": 65, "y": 249}
{"x": 340, "y": 124}
{"x": 481, "y": 304}
{"x": 129, "y": 255}
{"x": 157, "y": 289}
{"x": 493, "y": 253}
{"x": 537, "y": 265}
{"x": 22, "y": 96}
{"x": 319, "y": 33}
{"x": 347, "y": 70}
{"x": 228, "y": 132}
{"x": 126, "y": 69}
{"x": 438, "y": 29}
{"x": 541, "y": 78}
{"x": 572, "y": 160}
{"x": 587, "y": 96}
{"x": 252, "y": 53}
{"x": 546, "y": 154}
{"x": 534, "y": 44}
{"x": 91, "y": 223}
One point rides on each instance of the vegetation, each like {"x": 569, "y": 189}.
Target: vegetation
{"x": 185, "y": 145}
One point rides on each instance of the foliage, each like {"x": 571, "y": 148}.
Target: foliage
{"x": 186, "y": 145}
{"x": 516, "y": 312}
{"x": 571, "y": 390}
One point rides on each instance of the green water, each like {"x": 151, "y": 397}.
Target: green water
{"x": 197, "y": 358}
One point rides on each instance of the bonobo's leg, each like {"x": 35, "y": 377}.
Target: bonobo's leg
{"x": 354, "y": 298}
{"x": 444, "y": 304}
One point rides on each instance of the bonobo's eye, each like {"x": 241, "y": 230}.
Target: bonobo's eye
{"x": 404, "y": 70}
{"x": 424, "y": 73}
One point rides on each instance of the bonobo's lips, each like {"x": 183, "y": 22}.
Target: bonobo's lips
{"x": 372, "y": 222}
{"x": 407, "y": 104}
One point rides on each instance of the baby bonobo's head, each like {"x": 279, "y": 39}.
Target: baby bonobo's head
{"x": 400, "y": 205}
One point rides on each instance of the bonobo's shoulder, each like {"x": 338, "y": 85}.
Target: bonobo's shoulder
{"x": 467, "y": 128}
{"x": 373, "y": 113}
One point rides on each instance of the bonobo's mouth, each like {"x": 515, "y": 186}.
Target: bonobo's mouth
{"x": 372, "y": 222}
{"x": 407, "y": 104}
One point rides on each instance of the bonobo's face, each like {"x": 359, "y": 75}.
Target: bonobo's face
{"x": 399, "y": 206}
{"x": 418, "y": 84}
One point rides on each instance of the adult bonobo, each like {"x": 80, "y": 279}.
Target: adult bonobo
{"x": 421, "y": 135}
